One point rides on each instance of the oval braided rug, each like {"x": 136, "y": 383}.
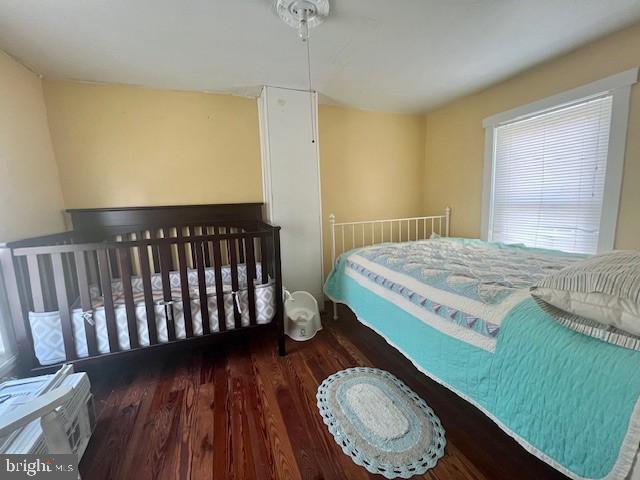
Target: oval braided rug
{"x": 381, "y": 423}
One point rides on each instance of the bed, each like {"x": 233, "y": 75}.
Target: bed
{"x": 459, "y": 309}
{"x": 132, "y": 279}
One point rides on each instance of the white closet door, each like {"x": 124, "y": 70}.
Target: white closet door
{"x": 291, "y": 181}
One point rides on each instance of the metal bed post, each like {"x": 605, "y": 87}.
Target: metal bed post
{"x": 447, "y": 214}
{"x": 332, "y": 226}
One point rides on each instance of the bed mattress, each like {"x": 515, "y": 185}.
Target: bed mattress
{"x": 46, "y": 327}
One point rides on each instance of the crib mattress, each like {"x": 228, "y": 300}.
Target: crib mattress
{"x": 46, "y": 327}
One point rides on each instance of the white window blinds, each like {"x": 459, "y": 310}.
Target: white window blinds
{"x": 548, "y": 178}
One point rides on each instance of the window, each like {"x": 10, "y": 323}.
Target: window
{"x": 553, "y": 169}
{"x": 549, "y": 177}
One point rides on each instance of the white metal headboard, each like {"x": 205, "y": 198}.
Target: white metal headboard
{"x": 372, "y": 232}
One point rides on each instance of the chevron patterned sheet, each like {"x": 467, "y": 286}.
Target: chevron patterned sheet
{"x": 46, "y": 328}
{"x": 464, "y": 288}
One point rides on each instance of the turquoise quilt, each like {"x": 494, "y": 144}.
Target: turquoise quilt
{"x": 569, "y": 399}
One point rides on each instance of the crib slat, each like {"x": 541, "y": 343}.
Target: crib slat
{"x": 208, "y": 245}
{"x": 139, "y": 236}
{"x": 148, "y": 295}
{"x": 165, "y": 267}
{"x": 153, "y": 233}
{"x": 202, "y": 290}
{"x": 113, "y": 264}
{"x": 234, "y": 279}
{"x": 132, "y": 323}
{"x": 63, "y": 306}
{"x": 24, "y": 338}
{"x": 216, "y": 231}
{"x": 46, "y": 279}
{"x": 36, "y": 285}
{"x": 192, "y": 233}
{"x": 166, "y": 233}
{"x": 107, "y": 295}
{"x": 205, "y": 247}
{"x": 85, "y": 301}
{"x": 70, "y": 275}
{"x": 251, "y": 275}
{"x": 241, "y": 252}
{"x": 217, "y": 262}
{"x": 132, "y": 263}
{"x": 264, "y": 258}
{"x": 184, "y": 284}
{"x": 226, "y": 251}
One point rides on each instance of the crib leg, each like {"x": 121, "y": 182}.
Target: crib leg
{"x": 335, "y": 311}
{"x": 282, "y": 349}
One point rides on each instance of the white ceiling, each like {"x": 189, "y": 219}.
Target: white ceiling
{"x": 390, "y": 55}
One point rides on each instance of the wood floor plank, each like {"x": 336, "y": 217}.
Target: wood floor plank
{"x": 223, "y": 454}
{"x": 157, "y": 439}
{"x": 166, "y": 437}
{"x": 239, "y": 411}
{"x": 116, "y": 417}
{"x": 249, "y": 432}
{"x": 456, "y": 465}
{"x": 263, "y": 459}
{"x": 187, "y": 382}
{"x": 290, "y": 410}
{"x": 311, "y": 421}
{"x": 284, "y": 462}
{"x": 202, "y": 452}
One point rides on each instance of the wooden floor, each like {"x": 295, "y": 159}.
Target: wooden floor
{"x": 239, "y": 411}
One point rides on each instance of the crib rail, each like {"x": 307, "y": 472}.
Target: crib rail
{"x": 348, "y": 235}
{"x": 58, "y": 277}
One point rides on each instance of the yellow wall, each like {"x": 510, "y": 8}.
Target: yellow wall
{"x": 370, "y": 165}
{"x": 121, "y": 145}
{"x": 30, "y": 196}
{"x": 455, "y": 139}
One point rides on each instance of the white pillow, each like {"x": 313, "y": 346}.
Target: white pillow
{"x": 599, "y": 296}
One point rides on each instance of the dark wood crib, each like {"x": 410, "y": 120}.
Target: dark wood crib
{"x": 143, "y": 279}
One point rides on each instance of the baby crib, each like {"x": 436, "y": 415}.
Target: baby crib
{"x": 130, "y": 279}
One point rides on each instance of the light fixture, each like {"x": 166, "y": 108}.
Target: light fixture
{"x": 304, "y": 15}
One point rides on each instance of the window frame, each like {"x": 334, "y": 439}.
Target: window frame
{"x": 619, "y": 86}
